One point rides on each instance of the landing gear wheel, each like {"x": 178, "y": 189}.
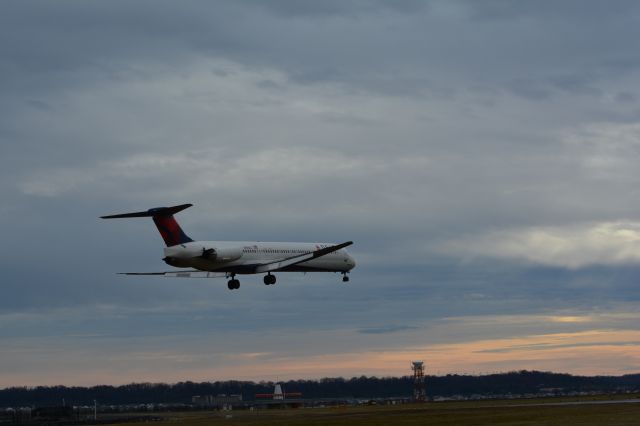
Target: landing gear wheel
{"x": 233, "y": 284}
{"x": 269, "y": 279}
{"x": 345, "y": 278}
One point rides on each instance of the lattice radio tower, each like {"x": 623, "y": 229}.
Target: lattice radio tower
{"x": 419, "y": 393}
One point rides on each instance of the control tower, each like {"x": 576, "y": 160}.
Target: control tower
{"x": 419, "y": 393}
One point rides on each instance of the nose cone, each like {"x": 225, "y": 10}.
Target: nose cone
{"x": 351, "y": 262}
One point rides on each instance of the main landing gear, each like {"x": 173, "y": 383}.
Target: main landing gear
{"x": 269, "y": 279}
{"x": 345, "y": 277}
{"x": 233, "y": 284}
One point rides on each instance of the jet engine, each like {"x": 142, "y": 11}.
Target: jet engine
{"x": 222, "y": 254}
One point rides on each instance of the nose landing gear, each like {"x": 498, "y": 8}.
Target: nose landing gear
{"x": 269, "y": 279}
{"x": 345, "y": 277}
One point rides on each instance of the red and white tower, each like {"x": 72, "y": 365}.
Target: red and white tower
{"x": 419, "y": 393}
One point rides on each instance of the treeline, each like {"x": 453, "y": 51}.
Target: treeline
{"x": 522, "y": 382}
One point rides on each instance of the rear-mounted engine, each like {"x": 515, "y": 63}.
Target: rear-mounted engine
{"x": 222, "y": 254}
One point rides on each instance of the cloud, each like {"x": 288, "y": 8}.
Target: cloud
{"x": 481, "y": 156}
{"x": 460, "y": 345}
{"x": 571, "y": 247}
{"x": 607, "y": 150}
{"x": 386, "y": 329}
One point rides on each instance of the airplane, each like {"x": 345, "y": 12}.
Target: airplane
{"x": 212, "y": 259}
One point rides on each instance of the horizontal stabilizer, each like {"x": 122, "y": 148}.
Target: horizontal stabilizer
{"x": 155, "y": 212}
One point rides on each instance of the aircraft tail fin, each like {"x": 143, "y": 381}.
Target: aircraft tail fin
{"x": 171, "y": 232}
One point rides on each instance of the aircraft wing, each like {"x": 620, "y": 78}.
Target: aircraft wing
{"x": 294, "y": 260}
{"x": 181, "y": 274}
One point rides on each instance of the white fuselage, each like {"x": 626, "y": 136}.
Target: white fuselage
{"x": 240, "y": 256}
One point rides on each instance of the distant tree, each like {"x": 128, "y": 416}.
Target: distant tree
{"x": 516, "y": 382}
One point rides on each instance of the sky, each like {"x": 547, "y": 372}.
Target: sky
{"x": 483, "y": 156}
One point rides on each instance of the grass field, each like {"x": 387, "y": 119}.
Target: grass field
{"x": 534, "y": 412}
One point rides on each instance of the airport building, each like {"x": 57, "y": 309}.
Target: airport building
{"x": 222, "y": 401}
